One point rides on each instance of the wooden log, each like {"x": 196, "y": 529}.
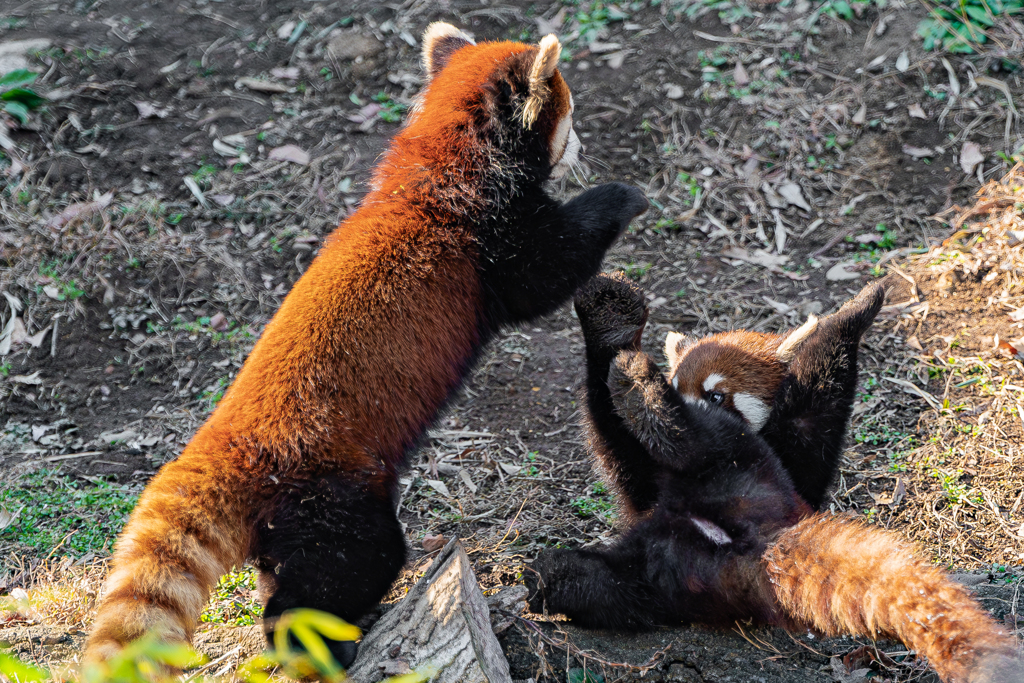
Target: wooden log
{"x": 442, "y": 627}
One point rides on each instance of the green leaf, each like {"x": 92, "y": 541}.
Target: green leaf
{"x": 979, "y": 15}
{"x": 16, "y": 79}
{"x": 17, "y": 110}
{"x": 29, "y": 98}
{"x": 16, "y": 670}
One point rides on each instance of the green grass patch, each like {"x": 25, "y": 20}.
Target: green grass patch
{"x": 235, "y": 600}
{"x": 56, "y": 512}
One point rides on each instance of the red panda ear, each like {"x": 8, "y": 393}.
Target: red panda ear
{"x": 787, "y": 349}
{"x": 440, "y": 42}
{"x": 674, "y": 344}
{"x": 543, "y": 68}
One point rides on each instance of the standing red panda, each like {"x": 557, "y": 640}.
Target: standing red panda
{"x": 796, "y": 389}
{"x": 719, "y": 533}
{"x": 297, "y": 467}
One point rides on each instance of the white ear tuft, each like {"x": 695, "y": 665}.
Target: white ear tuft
{"x": 787, "y": 349}
{"x": 543, "y": 68}
{"x": 440, "y": 41}
{"x": 674, "y": 343}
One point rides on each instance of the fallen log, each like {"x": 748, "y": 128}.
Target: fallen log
{"x": 441, "y": 628}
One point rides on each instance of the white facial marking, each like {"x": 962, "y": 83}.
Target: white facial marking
{"x": 753, "y": 409}
{"x": 712, "y": 381}
{"x": 712, "y": 531}
{"x": 675, "y": 382}
{"x": 565, "y": 146}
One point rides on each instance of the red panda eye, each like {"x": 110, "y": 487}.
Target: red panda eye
{"x": 715, "y": 397}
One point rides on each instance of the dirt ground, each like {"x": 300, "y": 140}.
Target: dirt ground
{"x": 193, "y": 154}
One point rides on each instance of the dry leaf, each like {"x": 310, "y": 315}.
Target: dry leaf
{"x": 839, "y": 272}
{"x": 903, "y": 62}
{"x": 82, "y": 209}
{"x": 32, "y": 379}
{"x": 219, "y": 322}
{"x": 439, "y": 486}
{"x": 148, "y": 110}
{"x": 740, "y": 75}
{"x": 262, "y": 86}
{"x": 918, "y": 152}
{"x": 861, "y": 116}
{"x": 916, "y": 112}
{"x": 196, "y": 191}
{"x": 759, "y": 257}
{"x": 433, "y": 542}
{"x": 290, "y": 153}
{"x": 914, "y": 343}
{"x": 970, "y": 157}
{"x": 7, "y": 518}
{"x": 792, "y": 193}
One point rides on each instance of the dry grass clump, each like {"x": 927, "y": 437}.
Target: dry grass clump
{"x": 945, "y": 427}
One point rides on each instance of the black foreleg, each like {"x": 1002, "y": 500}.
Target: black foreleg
{"x": 812, "y": 408}
{"x": 537, "y": 258}
{"x": 332, "y": 546}
{"x": 612, "y": 313}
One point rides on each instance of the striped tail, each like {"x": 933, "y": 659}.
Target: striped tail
{"x": 185, "y": 533}
{"x": 840, "y": 576}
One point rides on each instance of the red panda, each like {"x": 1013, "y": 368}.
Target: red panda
{"x": 723, "y": 533}
{"x": 796, "y": 388}
{"x": 297, "y": 467}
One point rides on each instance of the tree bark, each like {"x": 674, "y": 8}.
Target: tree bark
{"x": 442, "y": 627}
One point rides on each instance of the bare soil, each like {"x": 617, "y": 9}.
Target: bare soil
{"x": 157, "y": 295}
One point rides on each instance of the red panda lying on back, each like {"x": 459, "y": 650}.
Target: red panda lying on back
{"x": 297, "y": 468}
{"x": 796, "y": 388}
{"x": 719, "y": 532}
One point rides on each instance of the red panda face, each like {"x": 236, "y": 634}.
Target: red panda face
{"x": 739, "y": 370}
{"x": 510, "y": 92}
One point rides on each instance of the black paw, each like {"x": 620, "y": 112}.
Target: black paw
{"x": 618, "y": 201}
{"x": 612, "y": 311}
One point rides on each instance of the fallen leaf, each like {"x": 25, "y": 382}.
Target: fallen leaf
{"x": 673, "y": 91}
{"x": 219, "y": 322}
{"x": 898, "y": 492}
{"x": 970, "y": 157}
{"x": 464, "y": 475}
{"x": 286, "y": 29}
{"x": 196, "y": 191}
{"x": 861, "y": 116}
{"x": 32, "y": 379}
{"x": 439, "y": 486}
{"x": 918, "y": 152}
{"x": 903, "y": 62}
{"x": 290, "y": 153}
{"x": 916, "y": 112}
{"x": 224, "y": 149}
{"x": 839, "y": 272}
{"x": 148, "y": 110}
{"x": 759, "y": 257}
{"x": 82, "y": 209}
{"x": 1017, "y": 315}
{"x": 876, "y": 62}
{"x": 740, "y": 75}
{"x": 288, "y": 73}
{"x": 7, "y": 517}
{"x": 914, "y": 343}
{"x": 366, "y": 113}
{"x": 793, "y": 194}
{"x": 780, "y": 307}
{"x": 262, "y": 86}
{"x": 433, "y": 542}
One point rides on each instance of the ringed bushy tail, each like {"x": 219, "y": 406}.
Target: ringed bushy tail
{"x": 841, "y": 576}
{"x": 186, "y": 532}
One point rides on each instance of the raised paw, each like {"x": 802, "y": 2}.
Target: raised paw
{"x": 618, "y": 200}
{"x": 612, "y": 312}
{"x": 640, "y": 396}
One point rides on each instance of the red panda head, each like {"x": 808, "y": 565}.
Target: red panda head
{"x": 739, "y": 370}
{"x": 506, "y": 96}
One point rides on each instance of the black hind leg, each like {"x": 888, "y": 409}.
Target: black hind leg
{"x": 330, "y": 546}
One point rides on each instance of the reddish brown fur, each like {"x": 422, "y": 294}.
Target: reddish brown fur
{"x": 746, "y": 360}
{"x": 331, "y": 384}
{"x": 840, "y": 576}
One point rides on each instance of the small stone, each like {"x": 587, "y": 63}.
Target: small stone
{"x": 104, "y": 390}
{"x": 349, "y": 46}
